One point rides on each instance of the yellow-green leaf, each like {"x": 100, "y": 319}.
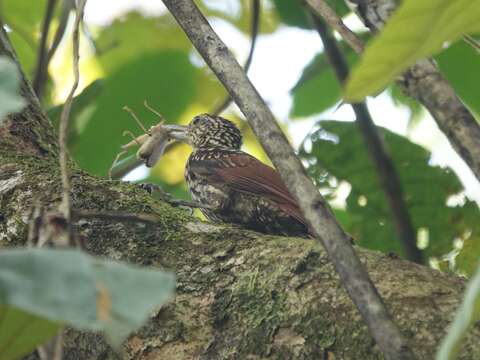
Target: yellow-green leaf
{"x": 467, "y": 314}
{"x": 418, "y": 29}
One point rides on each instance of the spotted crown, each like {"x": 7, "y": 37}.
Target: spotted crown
{"x": 209, "y": 131}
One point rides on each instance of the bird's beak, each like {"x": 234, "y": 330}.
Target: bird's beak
{"x": 177, "y": 132}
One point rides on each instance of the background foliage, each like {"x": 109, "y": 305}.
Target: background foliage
{"x": 138, "y": 57}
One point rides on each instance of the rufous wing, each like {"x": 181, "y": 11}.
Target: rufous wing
{"x": 244, "y": 173}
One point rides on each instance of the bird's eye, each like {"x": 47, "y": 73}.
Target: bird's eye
{"x": 196, "y": 120}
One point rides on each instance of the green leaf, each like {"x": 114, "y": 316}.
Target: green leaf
{"x": 70, "y": 287}
{"x": 24, "y": 18}
{"x": 133, "y": 35}
{"x": 467, "y": 260}
{"x": 426, "y": 189}
{"x": 10, "y": 100}
{"x": 416, "y": 30}
{"x": 467, "y": 314}
{"x": 293, "y": 13}
{"x": 165, "y": 78}
{"x": 82, "y": 108}
{"x": 21, "y": 332}
{"x": 24, "y": 15}
{"x": 318, "y": 88}
{"x": 460, "y": 64}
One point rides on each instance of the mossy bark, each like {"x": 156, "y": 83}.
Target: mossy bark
{"x": 240, "y": 294}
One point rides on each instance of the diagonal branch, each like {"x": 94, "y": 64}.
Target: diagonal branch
{"x": 378, "y": 153}
{"x": 352, "y": 273}
{"x": 324, "y": 10}
{"x": 422, "y": 81}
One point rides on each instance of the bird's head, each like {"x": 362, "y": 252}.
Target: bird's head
{"x": 208, "y": 131}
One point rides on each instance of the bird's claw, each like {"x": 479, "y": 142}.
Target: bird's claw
{"x": 154, "y": 189}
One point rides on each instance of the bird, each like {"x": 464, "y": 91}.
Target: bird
{"x": 232, "y": 186}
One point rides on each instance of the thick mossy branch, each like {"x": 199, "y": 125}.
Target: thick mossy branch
{"x": 240, "y": 294}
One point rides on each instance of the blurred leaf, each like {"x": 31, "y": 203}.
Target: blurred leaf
{"x": 24, "y": 18}
{"x": 10, "y": 100}
{"x": 460, "y": 64}
{"x": 23, "y": 15}
{"x": 400, "y": 99}
{"x": 210, "y": 92}
{"x": 426, "y": 189}
{"x": 318, "y": 88}
{"x": 26, "y": 52}
{"x": 68, "y": 286}
{"x": 468, "y": 258}
{"x": 293, "y": 13}
{"x": 467, "y": 314}
{"x": 416, "y": 30}
{"x": 166, "y": 79}
{"x": 239, "y": 14}
{"x": 83, "y": 104}
{"x": 132, "y": 35}
{"x": 21, "y": 332}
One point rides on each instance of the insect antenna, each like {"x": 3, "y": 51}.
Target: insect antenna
{"x": 126, "y": 108}
{"x": 145, "y": 103}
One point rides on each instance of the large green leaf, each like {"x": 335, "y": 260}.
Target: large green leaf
{"x": 10, "y": 100}
{"x": 134, "y": 35}
{"x": 24, "y": 15}
{"x": 21, "y": 332}
{"x": 70, "y": 287}
{"x": 426, "y": 189}
{"x": 83, "y": 106}
{"x": 417, "y": 29}
{"x": 467, "y": 314}
{"x": 460, "y": 63}
{"x": 318, "y": 88}
{"x": 165, "y": 78}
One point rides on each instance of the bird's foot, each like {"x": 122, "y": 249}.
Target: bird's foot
{"x": 157, "y": 190}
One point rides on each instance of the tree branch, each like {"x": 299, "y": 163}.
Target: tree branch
{"x": 41, "y": 72}
{"x": 316, "y": 210}
{"x": 326, "y": 12}
{"x": 386, "y": 171}
{"x": 424, "y": 82}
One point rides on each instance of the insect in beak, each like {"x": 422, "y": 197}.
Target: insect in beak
{"x": 177, "y": 132}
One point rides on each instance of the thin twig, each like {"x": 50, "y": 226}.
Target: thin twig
{"x": 316, "y": 210}
{"x": 321, "y": 8}
{"x": 64, "y": 119}
{"x": 470, "y": 40}
{"x": 115, "y": 215}
{"x": 41, "y": 72}
{"x": 254, "y": 29}
{"x": 382, "y": 161}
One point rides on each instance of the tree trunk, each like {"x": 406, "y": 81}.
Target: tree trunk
{"x": 240, "y": 294}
